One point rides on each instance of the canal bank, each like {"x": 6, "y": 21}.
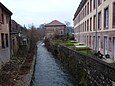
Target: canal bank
{"x": 88, "y": 71}
{"x": 26, "y": 79}
{"x": 49, "y": 71}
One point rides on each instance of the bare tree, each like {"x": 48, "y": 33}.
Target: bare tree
{"x": 67, "y": 23}
{"x": 33, "y": 36}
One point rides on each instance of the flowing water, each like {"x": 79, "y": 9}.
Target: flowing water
{"x": 49, "y": 71}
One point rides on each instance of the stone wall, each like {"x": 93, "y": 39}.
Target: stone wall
{"x": 4, "y": 56}
{"x": 87, "y": 71}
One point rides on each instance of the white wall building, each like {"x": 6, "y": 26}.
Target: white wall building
{"x": 96, "y": 28}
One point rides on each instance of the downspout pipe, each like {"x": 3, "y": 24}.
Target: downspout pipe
{"x": 96, "y": 46}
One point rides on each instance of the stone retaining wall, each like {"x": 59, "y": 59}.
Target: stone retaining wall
{"x": 88, "y": 71}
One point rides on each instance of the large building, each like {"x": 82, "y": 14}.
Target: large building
{"x": 55, "y": 28}
{"x": 5, "y": 25}
{"x": 94, "y": 25}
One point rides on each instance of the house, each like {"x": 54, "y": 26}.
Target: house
{"x": 18, "y": 36}
{"x": 55, "y": 28}
{"x": 23, "y": 39}
{"x": 14, "y": 32}
{"x": 94, "y": 25}
{"x": 5, "y": 25}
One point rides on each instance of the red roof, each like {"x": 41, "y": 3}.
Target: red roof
{"x": 55, "y": 23}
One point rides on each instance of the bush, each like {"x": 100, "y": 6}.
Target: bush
{"x": 70, "y": 36}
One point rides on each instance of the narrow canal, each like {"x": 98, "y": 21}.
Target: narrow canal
{"x": 49, "y": 71}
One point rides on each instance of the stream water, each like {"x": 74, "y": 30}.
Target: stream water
{"x": 49, "y": 71}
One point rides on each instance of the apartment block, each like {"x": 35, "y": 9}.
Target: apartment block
{"x": 5, "y": 20}
{"x": 94, "y": 25}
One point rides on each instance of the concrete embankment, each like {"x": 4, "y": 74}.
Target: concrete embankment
{"x": 88, "y": 71}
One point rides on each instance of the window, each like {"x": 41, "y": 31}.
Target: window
{"x": 90, "y": 41}
{"x": 110, "y": 44}
{"x": 6, "y": 35}
{"x": 85, "y": 11}
{"x": 87, "y": 40}
{"x": 2, "y": 40}
{"x": 87, "y": 8}
{"x": 88, "y": 25}
{"x": 114, "y": 14}
{"x": 2, "y": 15}
{"x": 99, "y": 21}
{"x": 106, "y": 17}
{"x": 7, "y": 19}
{"x": 90, "y": 5}
{"x": 99, "y": 2}
{"x": 94, "y": 42}
{"x": 105, "y": 45}
{"x": 94, "y": 4}
{"x": 85, "y": 25}
{"x": 99, "y": 41}
{"x": 91, "y": 24}
{"x": 94, "y": 22}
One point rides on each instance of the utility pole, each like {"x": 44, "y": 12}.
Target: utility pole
{"x": 96, "y": 47}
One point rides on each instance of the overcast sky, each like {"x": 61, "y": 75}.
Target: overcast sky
{"x": 41, "y": 11}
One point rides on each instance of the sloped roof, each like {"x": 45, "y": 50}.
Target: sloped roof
{"x": 5, "y": 9}
{"x": 82, "y": 3}
{"x": 55, "y": 23}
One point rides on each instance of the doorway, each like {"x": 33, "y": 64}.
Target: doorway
{"x": 105, "y": 45}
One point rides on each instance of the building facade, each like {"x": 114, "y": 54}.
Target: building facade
{"x": 94, "y": 25}
{"x": 18, "y": 36}
{"x": 5, "y": 20}
{"x": 14, "y": 41}
{"x": 55, "y": 28}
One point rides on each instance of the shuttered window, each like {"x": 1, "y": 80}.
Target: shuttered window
{"x": 114, "y": 14}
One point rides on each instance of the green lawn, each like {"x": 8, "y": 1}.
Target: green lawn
{"x": 82, "y": 50}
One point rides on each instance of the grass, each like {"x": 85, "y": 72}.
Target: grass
{"x": 87, "y": 52}
{"x": 71, "y": 44}
{"x": 82, "y": 50}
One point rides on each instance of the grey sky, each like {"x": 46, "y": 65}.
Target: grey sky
{"x": 41, "y": 11}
